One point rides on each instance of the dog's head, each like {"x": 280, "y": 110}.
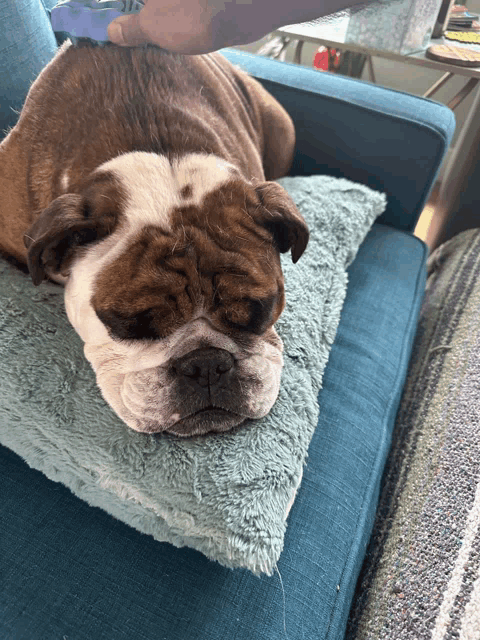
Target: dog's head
{"x": 173, "y": 281}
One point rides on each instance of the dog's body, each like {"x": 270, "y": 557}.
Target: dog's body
{"x": 137, "y": 178}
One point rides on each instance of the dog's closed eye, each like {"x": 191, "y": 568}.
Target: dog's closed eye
{"x": 142, "y": 325}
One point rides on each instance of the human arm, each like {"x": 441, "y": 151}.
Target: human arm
{"x": 202, "y": 26}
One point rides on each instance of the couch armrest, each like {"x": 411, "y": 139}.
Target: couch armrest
{"x": 386, "y": 139}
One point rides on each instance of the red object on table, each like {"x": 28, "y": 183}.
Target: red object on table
{"x": 326, "y": 59}
{"x": 321, "y": 59}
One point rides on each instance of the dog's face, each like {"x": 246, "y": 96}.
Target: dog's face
{"x": 173, "y": 281}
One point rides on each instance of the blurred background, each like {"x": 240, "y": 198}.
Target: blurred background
{"x": 411, "y": 79}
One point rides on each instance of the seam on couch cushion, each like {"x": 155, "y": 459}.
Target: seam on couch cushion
{"x": 353, "y": 562}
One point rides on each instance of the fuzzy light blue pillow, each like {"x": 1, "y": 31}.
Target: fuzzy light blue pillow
{"x": 226, "y": 495}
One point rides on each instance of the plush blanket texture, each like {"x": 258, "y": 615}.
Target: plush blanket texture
{"x": 226, "y": 495}
{"x": 421, "y": 576}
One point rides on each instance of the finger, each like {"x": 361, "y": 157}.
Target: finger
{"x": 126, "y": 31}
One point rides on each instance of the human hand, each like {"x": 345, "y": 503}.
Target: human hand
{"x": 181, "y": 26}
{"x": 202, "y": 26}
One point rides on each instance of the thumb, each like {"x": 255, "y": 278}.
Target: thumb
{"x": 126, "y": 31}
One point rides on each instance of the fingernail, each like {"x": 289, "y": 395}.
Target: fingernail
{"x": 115, "y": 33}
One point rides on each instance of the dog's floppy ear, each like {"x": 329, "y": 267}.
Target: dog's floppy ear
{"x": 282, "y": 218}
{"x": 66, "y": 224}
{"x": 73, "y": 220}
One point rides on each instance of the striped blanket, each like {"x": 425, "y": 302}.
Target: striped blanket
{"x": 421, "y": 576}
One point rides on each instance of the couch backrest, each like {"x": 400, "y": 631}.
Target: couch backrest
{"x": 389, "y": 140}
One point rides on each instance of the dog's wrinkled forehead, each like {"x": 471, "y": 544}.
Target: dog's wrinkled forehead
{"x": 192, "y": 245}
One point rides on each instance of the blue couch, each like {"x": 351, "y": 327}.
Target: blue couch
{"x": 71, "y": 571}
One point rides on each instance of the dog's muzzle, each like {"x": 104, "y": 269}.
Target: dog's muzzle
{"x": 207, "y": 389}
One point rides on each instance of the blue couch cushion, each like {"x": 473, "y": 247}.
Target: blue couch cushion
{"x": 72, "y": 570}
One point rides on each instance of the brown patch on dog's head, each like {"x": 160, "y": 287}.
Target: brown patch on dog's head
{"x": 220, "y": 258}
{"x": 72, "y": 221}
{"x": 186, "y": 192}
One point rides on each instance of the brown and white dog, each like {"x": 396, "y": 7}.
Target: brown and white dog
{"x": 141, "y": 180}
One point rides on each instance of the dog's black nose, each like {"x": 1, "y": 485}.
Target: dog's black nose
{"x": 205, "y": 366}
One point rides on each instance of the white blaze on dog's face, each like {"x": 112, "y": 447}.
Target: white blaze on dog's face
{"x": 173, "y": 282}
